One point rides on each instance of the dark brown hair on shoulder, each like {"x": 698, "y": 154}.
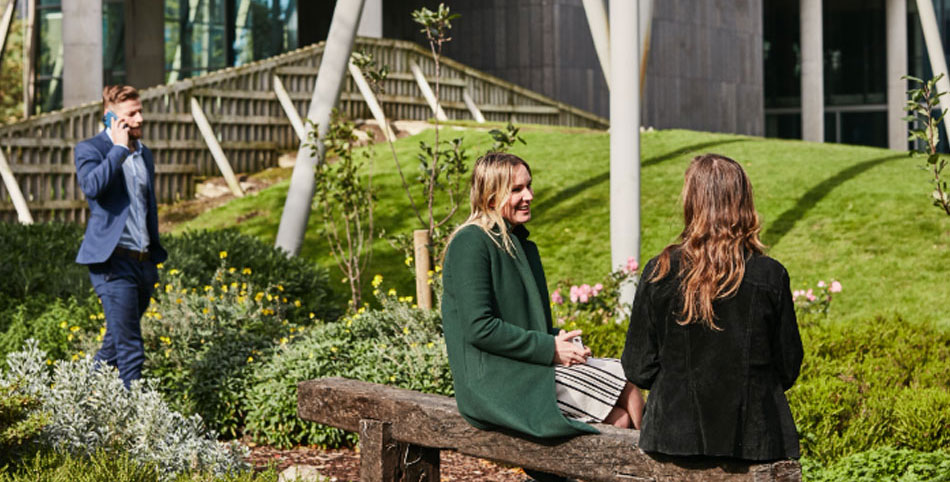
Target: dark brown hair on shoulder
{"x": 116, "y": 94}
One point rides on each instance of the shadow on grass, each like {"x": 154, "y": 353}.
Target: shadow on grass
{"x": 787, "y": 220}
{"x": 569, "y": 192}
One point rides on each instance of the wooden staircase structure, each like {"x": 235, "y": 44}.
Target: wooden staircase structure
{"x": 248, "y": 120}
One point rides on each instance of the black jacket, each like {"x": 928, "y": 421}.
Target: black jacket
{"x": 717, "y": 393}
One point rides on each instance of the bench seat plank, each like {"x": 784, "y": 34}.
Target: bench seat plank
{"x": 433, "y": 421}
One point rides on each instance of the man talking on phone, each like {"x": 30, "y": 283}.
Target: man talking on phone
{"x": 116, "y": 172}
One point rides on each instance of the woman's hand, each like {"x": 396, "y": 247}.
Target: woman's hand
{"x": 566, "y": 352}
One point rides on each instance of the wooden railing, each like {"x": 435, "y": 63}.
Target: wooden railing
{"x": 247, "y": 118}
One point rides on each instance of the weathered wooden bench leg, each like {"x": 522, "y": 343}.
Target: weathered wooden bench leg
{"x": 421, "y": 464}
{"x": 379, "y": 452}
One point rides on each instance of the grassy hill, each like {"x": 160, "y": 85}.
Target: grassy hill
{"x": 857, "y": 214}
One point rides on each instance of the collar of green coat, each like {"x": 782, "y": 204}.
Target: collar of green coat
{"x": 527, "y": 277}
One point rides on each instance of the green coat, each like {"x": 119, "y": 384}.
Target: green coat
{"x": 497, "y": 322}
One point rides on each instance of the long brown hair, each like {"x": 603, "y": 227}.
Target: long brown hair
{"x": 721, "y": 229}
{"x": 491, "y": 188}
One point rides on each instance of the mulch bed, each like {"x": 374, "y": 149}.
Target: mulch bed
{"x": 344, "y": 464}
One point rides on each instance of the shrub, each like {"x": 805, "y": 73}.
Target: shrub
{"x": 197, "y": 254}
{"x": 199, "y": 341}
{"x": 90, "y": 410}
{"x": 54, "y": 466}
{"x": 20, "y": 421}
{"x": 39, "y": 259}
{"x": 55, "y": 323}
{"x": 396, "y": 345}
{"x": 599, "y": 303}
{"x": 605, "y": 340}
{"x": 884, "y": 463}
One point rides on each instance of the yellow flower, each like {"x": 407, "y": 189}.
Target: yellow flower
{"x": 178, "y": 301}
{"x": 361, "y": 310}
{"x": 438, "y": 268}
{"x": 250, "y": 359}
{"x": 102, "y": 316}
{"x": 158, "y": 316}
{"x": 102, "y": 330}
{"x": 333, "y": 349}
{"x": 283, "y": 341}
{"x": 168, "y": 288}
{"x": 159, "y": 265}
{"x": 344, "y": 280}
{"x": 223, "y": 254}
{"x": 204, "y": 310}
{"x": 232, "y": 269}
{"x": 405, "y": 330}
{"x": 283, "y": 300}
{"x": 224, "y": 288}
{"x": 208, "y": 288}
{"x": 375, "y": 292}
{"x": 243, "y": 286}
{"x": 429, "y": 281}
{"x": 49, "y": 362}
{"x": 183, "y": 290}
{"x": 297, "y": 303}
{"x": 74, "y": 328}
{"x": 270, "y": 298}
{"x": 312, "y": 315}
{"x": 246, "y": 271}
{"x": 234, "y": 284}
{"x": 75, "y": 357}
{"x": 408, "y": 260}
{"x": 173, "y": 271}
{"x": 392, "y": 292}
{"x": 69, "y": 337}
{"x": 377, "y": 280}
{"x": 430, "y": 345}
{"x": 392, "y": 378}
{"x": 258, "y": 296}
{"x": 280, "y": 287}
{"x": 430, "y": 273}
{"x": 240, "y": 299}
{"x": 156, "y": 285}
{"x": 63, "y": 325}
{"x": 211, "y": 298}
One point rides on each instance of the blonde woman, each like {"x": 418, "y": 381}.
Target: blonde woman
{"x": 496, "y": 315}
{"x": 713, "y": 334}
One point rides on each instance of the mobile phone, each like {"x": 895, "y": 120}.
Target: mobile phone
{"x": 577, "y": 341}
{"x": 108, "y": 118}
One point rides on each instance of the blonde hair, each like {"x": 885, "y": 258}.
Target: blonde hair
{"x": 721, "y": 227}
{"x": 490, "y": 191}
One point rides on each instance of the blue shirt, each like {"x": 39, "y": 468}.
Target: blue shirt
{"x": 135, "y": 233}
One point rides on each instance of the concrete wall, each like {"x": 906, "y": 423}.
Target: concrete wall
{"x": 705, "y": 68}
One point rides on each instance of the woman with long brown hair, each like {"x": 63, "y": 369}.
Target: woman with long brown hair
{"x": 511, "y": 368}
{"x": 713, "y": 333}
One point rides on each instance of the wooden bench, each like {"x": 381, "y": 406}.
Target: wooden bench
{"x": 402, "y": 431}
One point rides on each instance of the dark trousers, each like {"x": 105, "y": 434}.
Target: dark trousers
{"x": 124, "y": 285}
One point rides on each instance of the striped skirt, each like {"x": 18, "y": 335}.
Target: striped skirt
{"x": 588, "y": 392}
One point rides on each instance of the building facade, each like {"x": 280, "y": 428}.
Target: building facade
{"x": 735, "y": 66}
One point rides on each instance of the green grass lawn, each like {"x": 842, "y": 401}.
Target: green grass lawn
{"x": 857, "y": 214}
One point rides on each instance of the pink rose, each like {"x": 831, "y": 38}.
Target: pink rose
{"x": 556, "y": 297}
{"x": 811, "y": 296}
{"x": 583, "y": 293}
{"x": 575, "y": 294}
{"x": 835, "y": 287}
{"x": 598, "y": 288}
{"x": 821, "y": 284}
{"x": 632, "y": 265}
{"x": 797, "y": 293}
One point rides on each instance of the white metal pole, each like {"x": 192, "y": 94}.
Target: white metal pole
{"x": 600, "y": 32}
{"x": 896, "y": 19}
{"x": 212, "y": 141}
{"x": 646, "y": 26}
{"x": 28, "y": 61}
{"x": 938, "y": 61}
{"x": 624, "y": 137}
{"x": 326, "y": 93}
{"x": 5, "y": 26}
{"x": 288, "y": 105}
{"x": 427, "y": 91}
{"x": 371, "y": 102}
{"x": 9, "y": 181}
{"x": 813, "y": 90}
{"x": 472, "y": 107}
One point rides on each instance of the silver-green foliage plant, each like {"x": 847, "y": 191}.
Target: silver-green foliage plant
{"x": 90, "y": 410}
{"x": 921, "y": 105}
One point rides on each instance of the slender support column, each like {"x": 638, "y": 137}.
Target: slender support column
{"x": 813, "y": 90}
{"x": 9, "y": 182}
{"x": 144, "y": 43}
{"x": 379, "y": 452}
{"x": 624, "y": 138}
{"x": 427, "y": 91}
{"x": 938, "y": 62}
{"x": 896, "y": 68}
{"x": 288, "y": 105}
{"x": 472, "y": 108}
{"x": 212, "y": 141}
{"x": 646, "y": 24}
{"x": 336, "y": 56}
{"x": 600, "y": 32}
{"x": 82, "y": 51}
{"x": 5, "y": 26}
{"x": 28, "y": 63}
{"x": 371, "y": 23}
{"x": 370, "y": 98}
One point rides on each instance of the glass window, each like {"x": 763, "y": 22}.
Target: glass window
{"x": 263, "y": 28}
{"x": 194, "y": 38}
{"x": 49, "y": 61}
{"x": 113, "y": 42}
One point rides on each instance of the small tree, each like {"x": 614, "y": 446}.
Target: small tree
{"x": 345, "y": 202}
{"x": 921, "y": 105}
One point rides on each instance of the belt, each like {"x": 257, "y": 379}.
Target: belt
{"x": 131, "y": 253}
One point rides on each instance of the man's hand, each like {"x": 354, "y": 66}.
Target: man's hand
{"x": 119, "y": 132}
{"x": 566, "y": 352}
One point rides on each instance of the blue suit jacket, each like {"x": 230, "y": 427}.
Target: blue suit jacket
{"x": 99, "y": 170}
